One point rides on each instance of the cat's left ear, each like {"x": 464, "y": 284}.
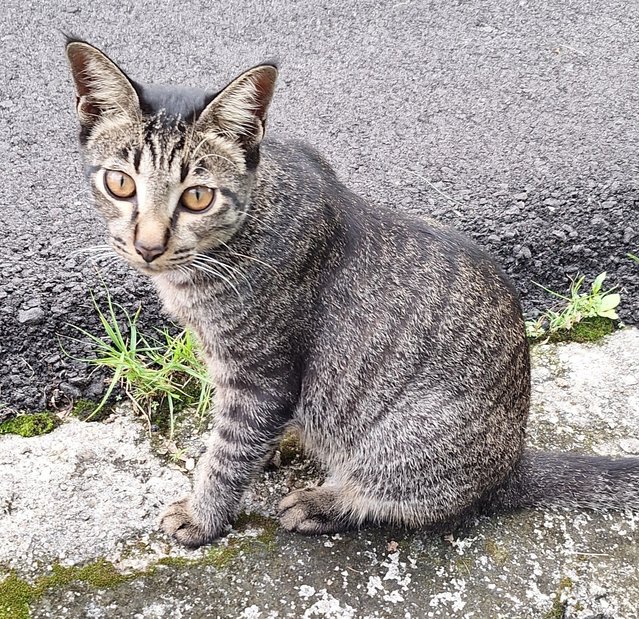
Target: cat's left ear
{"x": 239, "y": 111}
{"x": 102, "y": 88}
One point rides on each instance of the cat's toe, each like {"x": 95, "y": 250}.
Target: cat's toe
{"x": 178, "y": 521}
{"x": 310, "y": 512}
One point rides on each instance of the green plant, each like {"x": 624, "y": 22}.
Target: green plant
{"x": 30, "y": 425}
{"x": 160, "y": 374}
{"x": 633, "y": 257}
{"x": 577, "y": 307}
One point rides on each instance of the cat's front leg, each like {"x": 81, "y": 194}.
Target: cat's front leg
{"x": 244, "y": 433}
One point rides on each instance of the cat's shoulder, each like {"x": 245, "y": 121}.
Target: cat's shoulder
{"x": 299, "y": 155}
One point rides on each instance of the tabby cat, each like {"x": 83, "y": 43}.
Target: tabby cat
{"x": 394, "y": 346}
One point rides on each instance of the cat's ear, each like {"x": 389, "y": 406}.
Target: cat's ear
{"x": 102, "y": 88}
{"x": 239, "y": 111}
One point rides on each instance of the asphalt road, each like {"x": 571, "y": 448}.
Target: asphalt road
{"x": 514, "y": 121}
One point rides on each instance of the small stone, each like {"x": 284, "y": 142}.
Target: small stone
{"x": 189, "y": 465}
{"x": 524, "y": 253}
{"x": 32, "y": 316}
{"x": 70, "y": 390}
{"x": 628, "y": 235}
{"x": 523, "y": 196}
{"x": 629, "y": 445}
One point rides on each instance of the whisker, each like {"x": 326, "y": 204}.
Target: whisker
{"x": 235, "y": 253}
{"x": 229, "y": 269}
{"x": 207, "y": 269}
{"x": 95, "y": 257}
{"x": 91, "y": 248}
{"x": 203, "y": 157}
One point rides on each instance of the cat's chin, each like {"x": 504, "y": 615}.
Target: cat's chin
{"x": 170, "y": 276}
{"x": 173, "y": 276}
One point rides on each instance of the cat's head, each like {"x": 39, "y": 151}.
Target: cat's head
{"x": 169, "y": 167}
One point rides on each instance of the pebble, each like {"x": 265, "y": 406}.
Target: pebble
{"x": 628, "y": 234}
{"x": 524, "y": 253}
{"x": 32, "y": 316}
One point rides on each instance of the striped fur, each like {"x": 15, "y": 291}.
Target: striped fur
{"x": 393, "y": 345}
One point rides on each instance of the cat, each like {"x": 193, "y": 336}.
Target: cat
{"x": 395, "y": 346}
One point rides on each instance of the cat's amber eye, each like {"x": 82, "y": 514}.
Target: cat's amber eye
{"x": 197, "y": 198}
{"x": 119, "y": 184}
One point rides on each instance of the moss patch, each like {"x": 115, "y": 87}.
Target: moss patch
{"x": 15, "y": 596}
{"x": 85, "y": 410}
{"x": 587, "y": 330}
{"x": 100, "y": 574}
{"x": 497, "y": 553}
{"x": 290, "y": 448}
{"x": 30, "y": 425}
{"x": 254, "y": 520}
{"x": 558, "y": 609}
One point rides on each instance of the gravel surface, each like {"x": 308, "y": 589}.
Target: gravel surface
{"x": 91, "y": 491}
{"x": 516, "y": 122}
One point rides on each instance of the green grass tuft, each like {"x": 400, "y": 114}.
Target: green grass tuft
{"x": 161, "y": 374}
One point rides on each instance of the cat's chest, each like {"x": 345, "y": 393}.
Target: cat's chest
{"x": 191, "y": 305}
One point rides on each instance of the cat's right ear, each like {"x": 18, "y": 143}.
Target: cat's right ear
{"x": 102, "y": 89}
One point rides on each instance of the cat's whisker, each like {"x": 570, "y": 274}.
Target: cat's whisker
{"x": 85, "y": 250}
{"x": 97, "y": 257}
{"x": 203, "y": 141}
{"x": 205, "y": 268}
{"x": 203, "y": 157}
{"x": 229, "y": 269}
{"x": 235, "y": 253}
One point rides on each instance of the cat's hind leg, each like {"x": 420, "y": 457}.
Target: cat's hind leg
{"x": 313, "y": 511}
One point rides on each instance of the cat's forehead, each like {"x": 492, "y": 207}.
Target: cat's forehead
{"x": 162, "y": 142}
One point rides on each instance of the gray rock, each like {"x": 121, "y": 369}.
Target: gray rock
{"x": 628, "y": 234}
{"x": 32, "y": 316}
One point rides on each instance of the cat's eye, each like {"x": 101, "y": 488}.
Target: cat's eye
{"x": 197, "y": 198}
{"x": 119, "y": 184}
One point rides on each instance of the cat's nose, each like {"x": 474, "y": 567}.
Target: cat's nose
{"x": 149, "y": 254}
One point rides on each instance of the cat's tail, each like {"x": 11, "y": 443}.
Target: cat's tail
{"x": 545, "y": 479}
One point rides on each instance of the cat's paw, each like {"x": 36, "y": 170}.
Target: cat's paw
{"x": 178, "y": 521}
{"x": 310, "y": 511}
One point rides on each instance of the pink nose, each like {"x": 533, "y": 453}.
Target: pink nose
{"x": 149, "y": 254}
